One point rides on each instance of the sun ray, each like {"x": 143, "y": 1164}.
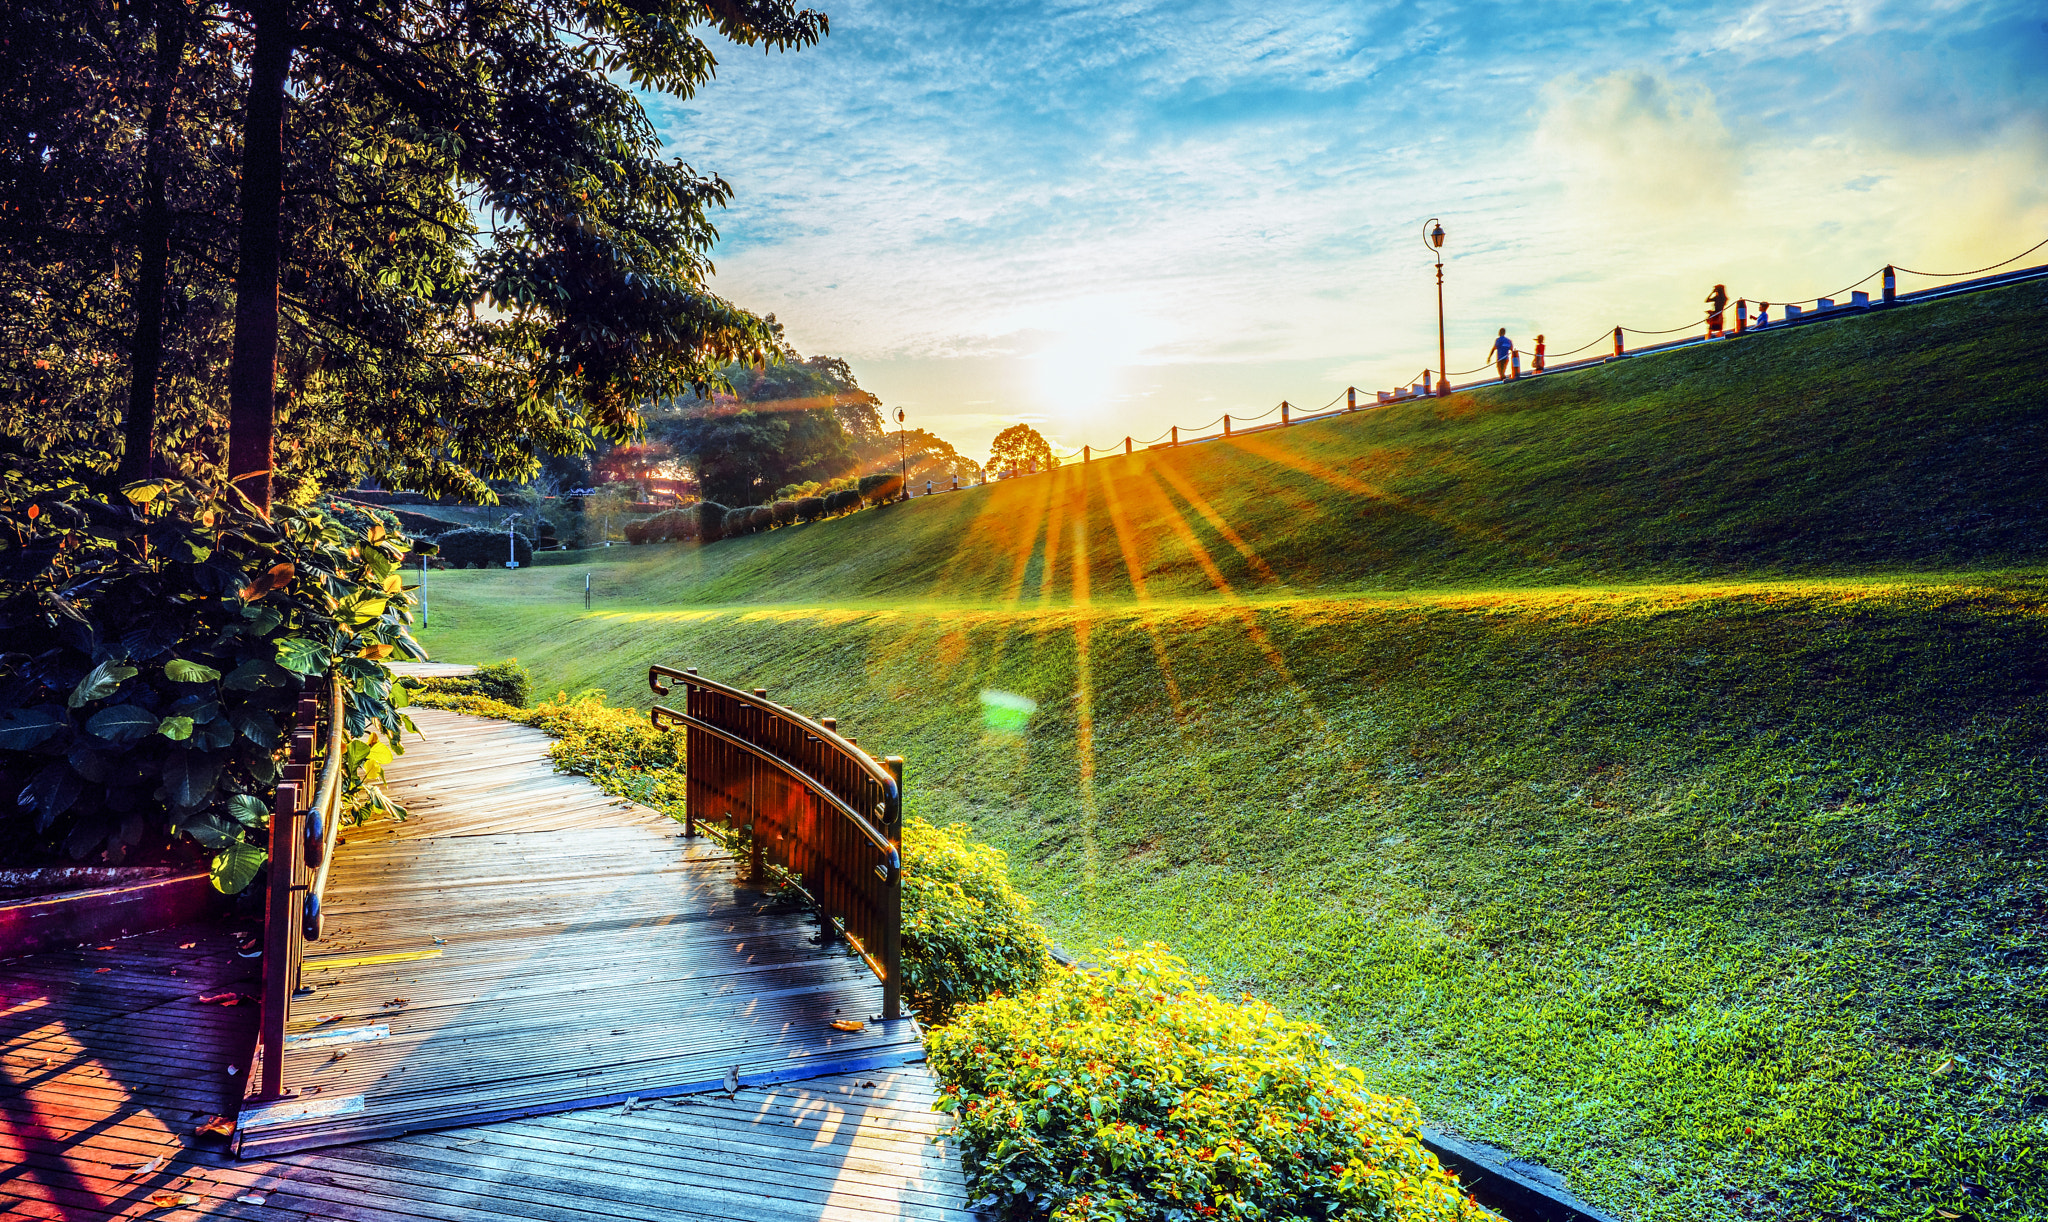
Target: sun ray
{"x": 1201, "y": 506}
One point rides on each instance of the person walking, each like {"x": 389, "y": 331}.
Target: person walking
{"x": 1717, "y": 304}
{"x": 1503, "y": 347}
{"x": 1539, "y": 354}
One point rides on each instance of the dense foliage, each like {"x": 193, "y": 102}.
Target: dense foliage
{"x": 505, "y": 682}
{"x": 1020, "y": 450}
{"x": 1130, "y": 1093}
{"x": 967, "y": 933}
{"x": 483, "y": 547}
{"x": 881, "y": 487}
{"x": 157, "y": 644}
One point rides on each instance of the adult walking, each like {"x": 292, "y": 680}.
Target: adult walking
{"x": 1717, "y": 305}
{"x": 1503, "y": 348}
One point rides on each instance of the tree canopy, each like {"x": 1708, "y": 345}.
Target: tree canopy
{"x": 426, "y": 243}
{"x": 1019, "y": 450}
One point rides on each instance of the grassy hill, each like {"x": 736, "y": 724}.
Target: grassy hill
{"x": 1641, "y": 768}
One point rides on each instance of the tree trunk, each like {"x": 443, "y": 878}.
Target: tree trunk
{"x": 139, "y": 449}
{"x": 252, "y": 371}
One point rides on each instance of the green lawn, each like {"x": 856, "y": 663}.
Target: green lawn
{"x": 1642, "y": 770}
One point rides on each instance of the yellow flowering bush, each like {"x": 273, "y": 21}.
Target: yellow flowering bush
{"x": 1131, "y": 1093}
{"x": 967, "y": 933}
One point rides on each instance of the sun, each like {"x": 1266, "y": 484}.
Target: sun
{"x": 1081, "y": 368}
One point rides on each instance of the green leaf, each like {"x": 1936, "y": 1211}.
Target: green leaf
{"x": 256, "y": 725}
{"x": 124, "y": 723}
{"x": 212, "y": 834}
{"x": 177, "y": 729}
{"x": 252, "y": 674}
{"x": 21, "y": 729}
{"x": 178, "y": 670}
{"x": 100, "y": 684}
{"x": 236, "y": 867}
{"x": 248, "y": 809}
{"x": 302, "y": 656}
{"x": 188, "y": 778}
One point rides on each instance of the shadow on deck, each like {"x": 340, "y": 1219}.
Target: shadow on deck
{"x": 525, "y": 951}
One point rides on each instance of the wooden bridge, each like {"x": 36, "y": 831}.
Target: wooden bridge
{"x": 528, "y": 1000}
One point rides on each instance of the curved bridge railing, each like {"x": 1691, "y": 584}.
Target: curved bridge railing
{"x": 816, "y": 806}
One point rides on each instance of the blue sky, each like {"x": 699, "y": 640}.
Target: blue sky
{"x": 1108, "y": 218}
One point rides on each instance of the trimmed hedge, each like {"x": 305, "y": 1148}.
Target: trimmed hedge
{"x": 483, "y": 547}
{"x": 1130, "y": 1092}
{"x": 710, "y": 520}
{"x": 810, "y": 508}
{"x": 881, "y": 487}
{"x": 843, "y": 501}
{"x": 784, "y": 511}
{"x": 739, "y": 522}
{"x": 760, "y": 517}
{"x": 506, "y": 682}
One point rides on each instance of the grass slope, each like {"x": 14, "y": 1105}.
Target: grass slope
{"x": 1634, "y": 775}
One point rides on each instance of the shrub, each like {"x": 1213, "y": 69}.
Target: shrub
{"x": 738, "y": 522}
{"x": 160, "y": 659}
{"x": 810, "y": 508}
{"x": 710, "y": 520}
{"x": 635, "y": 530}
{"x": 784, "y": 512}
{"x": 881, "y": 487}
{"x": 482, "y": 547}
{"x": 843, "y": 501}
{"x": 505, "y": 682}
{"x": 760, "y": 517}
{"x": 1132, "y": 1093}
{"x": 967, "y": 934}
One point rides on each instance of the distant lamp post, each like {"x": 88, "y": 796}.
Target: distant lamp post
{"x": 1433, "y": 242}
{"x": 512, "y": 542}
{"x": 902, "y": 461}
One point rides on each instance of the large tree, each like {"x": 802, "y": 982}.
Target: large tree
{"x": 786, "y": 421}
{"x": 1020, "y": 450}
{"x": 445, "y": 233}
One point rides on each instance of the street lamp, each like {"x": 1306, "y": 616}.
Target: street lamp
{"x": 902, "y": 462}
{"x": 511, "y": 542}
{"x": 1433, "y": 242}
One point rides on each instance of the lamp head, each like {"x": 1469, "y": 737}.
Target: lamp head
{"x": 1436, "y": 237}
{"x": 899, "y": 415}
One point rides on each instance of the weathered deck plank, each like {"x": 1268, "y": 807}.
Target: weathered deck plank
{"x": 496, "y": 957}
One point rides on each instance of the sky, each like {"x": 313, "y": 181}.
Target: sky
{"x": 1106, "y": 219}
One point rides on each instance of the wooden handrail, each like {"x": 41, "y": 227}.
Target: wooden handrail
{"x": 325, "y": 824}
{"x": 804, "y": 794}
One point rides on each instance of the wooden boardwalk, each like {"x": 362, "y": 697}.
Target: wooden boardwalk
{"x": 592, "y": 974}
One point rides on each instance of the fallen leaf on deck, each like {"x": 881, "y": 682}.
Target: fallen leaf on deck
{"x": 339, "y": 1053}
{"x": 327, "y": 1018}
{"x": 219, "y": 999}
{"x": 219, "y": 1126}
{"x": 396, "y": 1001}
{"x": 250, "y": 1198}
{"x": 148, "y": 1168}
{"x": 187, "y": 945}
{"x": 848, "y": 1024}
{"x": 168, "y": 1199}
{"x": 103, "y": 948}
{"x": 98, "y": 970}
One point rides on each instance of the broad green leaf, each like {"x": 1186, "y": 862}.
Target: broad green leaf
{"x": 236, "y": 867}
{"x": 250, "y": 675}
{"x": 100, "y": 684}
{"x": 124, "y": 723}
{"x": 188, "y": 778}
{"x": 302, "y": 656}
{"x": 176, "y": 729}
{"x": 248, "y": 809}
{"x": 256, "y": 725}
{"x": 21, "y": 729}
{"x": 178, "y": 670}
{"x": 143, "y": 492}
{"x": 212, "y": 834}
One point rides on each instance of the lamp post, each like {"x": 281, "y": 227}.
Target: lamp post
{"x": 512, "y": 542}
{"x": 1433, "y": 242}
{"x": 902, "y": 462}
